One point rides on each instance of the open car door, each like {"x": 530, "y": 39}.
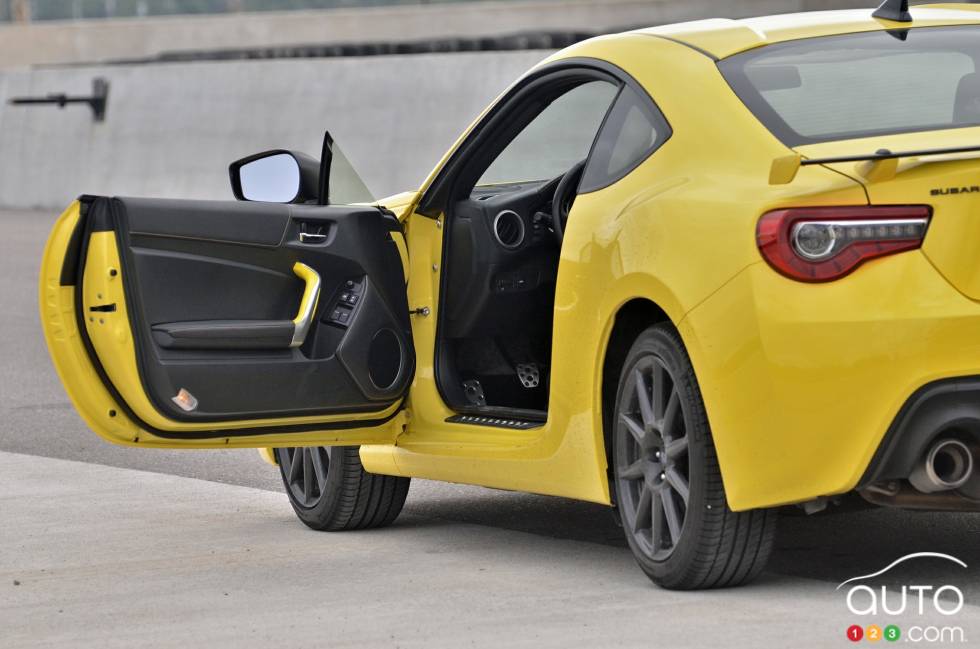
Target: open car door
{"x": 229, "y": 324}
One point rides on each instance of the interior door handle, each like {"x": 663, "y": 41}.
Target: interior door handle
{"x": 307, "y": 306}
{"x": 312, "y": 237}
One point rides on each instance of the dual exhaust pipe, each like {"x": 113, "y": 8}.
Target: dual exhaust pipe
{"x": 947, "y": 466}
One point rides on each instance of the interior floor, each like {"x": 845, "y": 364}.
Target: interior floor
{"x": 510, "y": 373}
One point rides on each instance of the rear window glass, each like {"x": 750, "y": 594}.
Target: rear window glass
{"x": 633, "y": 129}
{"x": 861, "y": 85}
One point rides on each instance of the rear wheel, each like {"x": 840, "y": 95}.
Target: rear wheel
{"x": 668, "y": 485}
{"x": 330, "y": 490}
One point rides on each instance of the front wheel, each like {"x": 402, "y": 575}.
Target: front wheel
{"x": 668, "y": 485}
{"x": 330, "y": 490}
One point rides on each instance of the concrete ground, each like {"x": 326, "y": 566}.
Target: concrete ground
{"x": 124, "y": 547}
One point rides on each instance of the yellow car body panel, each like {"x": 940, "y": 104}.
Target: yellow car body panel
{"x": 615, "y": 250}
{"x": 810, "y": 382}
{"x": 837, "y": 360}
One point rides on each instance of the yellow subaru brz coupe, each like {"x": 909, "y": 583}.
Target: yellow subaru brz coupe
{"x": 696, "y": 273}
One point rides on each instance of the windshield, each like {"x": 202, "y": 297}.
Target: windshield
{"x": 861, "y": 85}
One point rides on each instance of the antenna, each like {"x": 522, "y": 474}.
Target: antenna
{"x": 895, "y": 10}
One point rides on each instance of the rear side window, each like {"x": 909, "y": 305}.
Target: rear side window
{"x": 862, "y": 85}
{"x": 633, "y": 130}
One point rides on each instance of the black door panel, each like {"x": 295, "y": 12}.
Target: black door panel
{"x": 211, "y": 295}
{"x": 255, "y": 223}
{"x": 242, "y": 283}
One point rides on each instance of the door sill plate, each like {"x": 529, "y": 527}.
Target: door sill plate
{"x": 495, "y": 422}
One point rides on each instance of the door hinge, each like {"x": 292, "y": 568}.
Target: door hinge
{"x": 423, "y": 311}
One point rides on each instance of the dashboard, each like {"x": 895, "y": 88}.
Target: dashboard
{"x": 502, "y": 257}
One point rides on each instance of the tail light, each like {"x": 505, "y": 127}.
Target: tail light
{"x": 821, "y": 244}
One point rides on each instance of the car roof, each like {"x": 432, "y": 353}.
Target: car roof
{"x": 721, "y": 37}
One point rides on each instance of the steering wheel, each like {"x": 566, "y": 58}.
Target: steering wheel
{"x": 564, "y": 198}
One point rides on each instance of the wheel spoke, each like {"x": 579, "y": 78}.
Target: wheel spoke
{"x": 676, "y": 448}
{"x": 642, "y": 509}
{"x": 679, "y": 483}
{"x": 635, "y": 429}
{"x": 674, "y": 522}
{"x": 643, "y": 399}
{"x": 634, "y": 471}
{"x": 671, "y": 416}
{"x": 659, "y": 382}
{"x": 319, "y": 468}
{"x": 295, "y": 463}
{"x": 657, "y": 528}
{"x": 308, "y": 474}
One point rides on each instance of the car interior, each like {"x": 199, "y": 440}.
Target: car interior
{"x": 505, "y": 215}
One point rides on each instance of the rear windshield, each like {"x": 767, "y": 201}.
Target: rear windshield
{"x": 861, "y": 85}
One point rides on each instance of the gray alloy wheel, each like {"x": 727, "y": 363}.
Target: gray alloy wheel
{"x": 667, "y": 480}
{"x": 304, "y": 472}
{"x": 330, "y": 490}
{"x": 652, "y": 466}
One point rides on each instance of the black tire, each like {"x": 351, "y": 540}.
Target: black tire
{"x": 665, "y": 467}
{"x": 330, "y": 490}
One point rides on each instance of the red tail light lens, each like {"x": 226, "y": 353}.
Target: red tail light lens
{"x": 821, "y": 244}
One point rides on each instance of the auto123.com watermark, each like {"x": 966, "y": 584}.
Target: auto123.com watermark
{"x": 917, "y": 613}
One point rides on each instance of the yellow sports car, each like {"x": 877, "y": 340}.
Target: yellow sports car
{"x": 696, "y": 273}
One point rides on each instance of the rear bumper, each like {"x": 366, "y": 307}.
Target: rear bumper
{"x": 803, "y": 383}
{"x": 948, "y": 407}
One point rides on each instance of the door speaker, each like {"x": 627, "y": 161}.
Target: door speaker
{"x": 385, "y": 359}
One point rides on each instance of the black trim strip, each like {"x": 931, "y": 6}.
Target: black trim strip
{"x": 885, "y": 154}
{"x": 69, "y": 266}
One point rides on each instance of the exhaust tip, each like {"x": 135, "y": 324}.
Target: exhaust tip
{"x": 947, "y": 466}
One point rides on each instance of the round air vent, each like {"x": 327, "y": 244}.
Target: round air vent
{"x": 508, "y": 228}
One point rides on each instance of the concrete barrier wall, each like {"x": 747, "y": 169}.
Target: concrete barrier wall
{"x": 101, "y": 40}
{"x": 172, "y": 129}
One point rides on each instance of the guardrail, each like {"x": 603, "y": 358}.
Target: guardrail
{"x": 33, "y": 10}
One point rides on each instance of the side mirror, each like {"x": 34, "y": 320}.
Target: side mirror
{"x": 277, "y": 176}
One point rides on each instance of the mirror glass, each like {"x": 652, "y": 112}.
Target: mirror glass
{"x": 274, "y": 179}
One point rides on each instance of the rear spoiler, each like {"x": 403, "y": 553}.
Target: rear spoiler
{"x": 785, "y": 168}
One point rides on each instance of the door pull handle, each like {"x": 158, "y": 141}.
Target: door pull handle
{"x": 307, "y": 305}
